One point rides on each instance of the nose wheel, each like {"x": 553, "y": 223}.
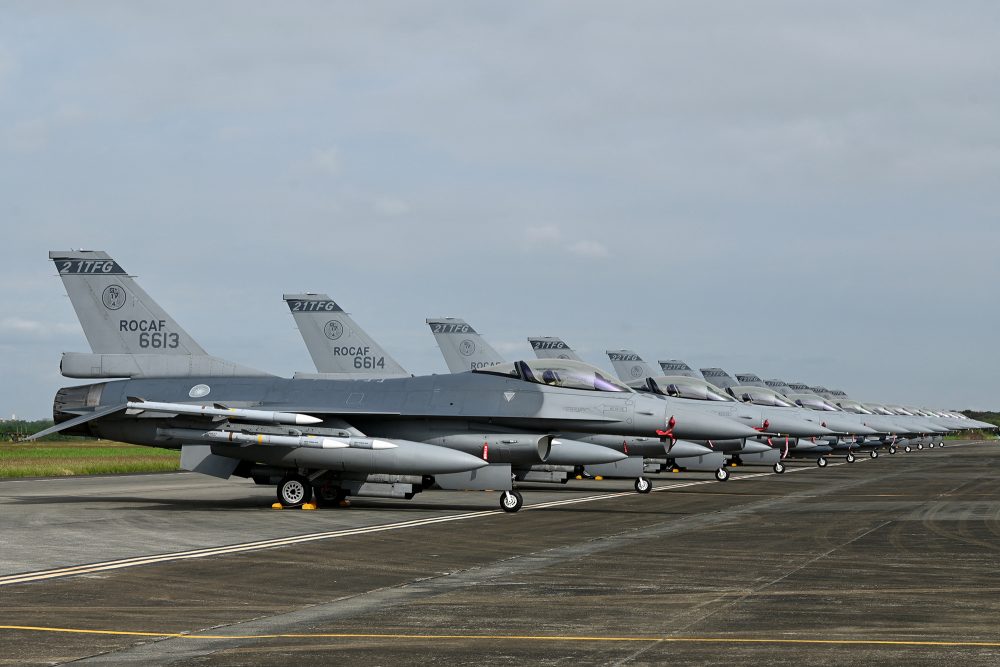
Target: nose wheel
{"x": 850, "y": 457}
{"x": 722, "y": 474}
{"x": 821, "y": 462}
{"x": 511, "y": 501}
{"x": 643, "y": 485}
{"x": 892, "y": 450}
{"x": 873, "y": 453}
{"x": 907, "y": 449}
{"x": 779, "y": 467}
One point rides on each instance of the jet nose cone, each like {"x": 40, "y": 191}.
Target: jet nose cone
{"x": 795, "y": 427}
{"x": 683, "y": 448}
{"x": 572, "y": 453}
{"x": 422, "y": 459}
{"x": 847, "y": 426}
{"x": 691, "y": 425}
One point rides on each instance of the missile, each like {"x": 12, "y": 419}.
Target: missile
{"x": 312, "y": 441}
{"x": 266, "y": 416}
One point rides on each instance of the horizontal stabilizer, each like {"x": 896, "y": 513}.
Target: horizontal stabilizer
{"x": 76, "y": 421}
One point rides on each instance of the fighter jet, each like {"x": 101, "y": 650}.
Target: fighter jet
{"x": 300, "y": 434}
{"x": 464, "y": 349}
{"x": 767, "y": 421}
{"x": 351, "y": 351}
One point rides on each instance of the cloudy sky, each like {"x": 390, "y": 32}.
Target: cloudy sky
{"x": 808, "y": 191}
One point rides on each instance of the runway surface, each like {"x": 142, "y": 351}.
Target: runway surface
{"x": 893, "y": 560}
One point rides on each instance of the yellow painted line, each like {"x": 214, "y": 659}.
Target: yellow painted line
{"x": 153, "y": 559}
{"x": 538, "y": 638}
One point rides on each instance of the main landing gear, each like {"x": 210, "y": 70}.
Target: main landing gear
{"x": 511, "y": 501}
{"x": 294, "y": 490}
{"x": 643, "y": 485}
{"x": 722, "y": 474}
{"x": 779, "y": 467}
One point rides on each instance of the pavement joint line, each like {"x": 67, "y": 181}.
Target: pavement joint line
{"x": 105, "y": 566}
{"x": 501, "y": 637}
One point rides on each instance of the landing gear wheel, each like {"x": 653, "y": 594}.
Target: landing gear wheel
{"x": 511, "y": 501}
{"x": 779, "y": 467}
{"x": 643, "y": 485}
{"x": 821, "y": 462}
{"x": 931, "y": 445}
{"x": 892, "y": 450}
{"x": 850, "y": 457}
{"x": 907, "y": 449}
{"x": 294, "y": 490}
{"x": 722, "y": 474}
{"x": 873, "y": 453}
{"x": 920, "y": 445}
{"x": 940, "y": 444}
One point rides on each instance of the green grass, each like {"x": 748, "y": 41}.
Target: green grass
{"x": 82, "y": 457}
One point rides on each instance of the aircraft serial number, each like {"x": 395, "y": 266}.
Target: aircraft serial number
{"x": 313, "y": 306}
{"x": 88, "y": 266}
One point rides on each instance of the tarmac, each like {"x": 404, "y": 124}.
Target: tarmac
{"x": 894, "y": 560}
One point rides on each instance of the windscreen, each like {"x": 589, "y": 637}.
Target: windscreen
{"x": 761, "y": 396}
{"x": 559, "y": 373}
{"x": 686, "y": 387}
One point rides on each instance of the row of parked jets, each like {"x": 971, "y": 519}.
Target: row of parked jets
{"x": 361, "y": 425}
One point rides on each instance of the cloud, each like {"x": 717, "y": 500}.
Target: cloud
{"x": 589, "y": 249}
{"x": 15, "y": 329}
{"x": 390, "y": 207}
{"x": 327, "y": 160}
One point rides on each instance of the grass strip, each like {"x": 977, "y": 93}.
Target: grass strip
{"x": 97, "y": 457}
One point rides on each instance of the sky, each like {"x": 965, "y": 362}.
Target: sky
{"x": 807, "y": 191}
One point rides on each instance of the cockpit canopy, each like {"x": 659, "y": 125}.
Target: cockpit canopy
{"x": 813, "y": 402}
{"x": 854, "y": 407}
{"x": 558, "y": 373}
{"x": 760, "y": 396}
{"x": 680, "y": 386}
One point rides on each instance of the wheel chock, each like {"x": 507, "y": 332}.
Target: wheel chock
{"x": 345, "y": 503}
{"x": 579, "y": 476}
{"x": 308, "y": 506}
{"x": 277, "y": 506}
{"x": 599, "y": 478}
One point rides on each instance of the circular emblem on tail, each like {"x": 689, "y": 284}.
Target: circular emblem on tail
{"x": 636, "y": 371}
{"x": 333, "y": 329}
{"x": 467, "y": 347}
{"x": 113, "y": 297}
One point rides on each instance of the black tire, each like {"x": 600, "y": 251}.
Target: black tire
{"x": 873, "y": 453}
{"x": 294, "y": 491}
{"x": 722, "y": 474}
{"x": 907, "y": 449}
{"x": 920, "y": 445}
{"x": 821, "y": 462}
{"x": 643, "y": 485}
{"x": 931, "y": 445}
{"x": 779, "y": 467}
{"x": 850, "y": 457}
{"x": 892, "y": 450}
{"x": 511, "y": 501}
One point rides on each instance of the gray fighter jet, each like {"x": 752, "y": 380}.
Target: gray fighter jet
{"x": 767, "y": 421}
{"x": 463, "y": 348}
{"x": 324, "y": 325}
{"x": 298, "y": 433}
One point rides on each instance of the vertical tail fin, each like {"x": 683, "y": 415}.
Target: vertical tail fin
{"x": 629, "y": 366}
{"x": 548, "y": 347}
{"x": 336, "y": 343}
{"x": 677, "y": 367}
{"x": 129, "y": 333}
{"x": 117, "y": 316}
{"x": 718, "y": 377}
{"x": 779, "y": 386}
{"x": 463, "y": 349}
{"x": 749, "y": 380}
